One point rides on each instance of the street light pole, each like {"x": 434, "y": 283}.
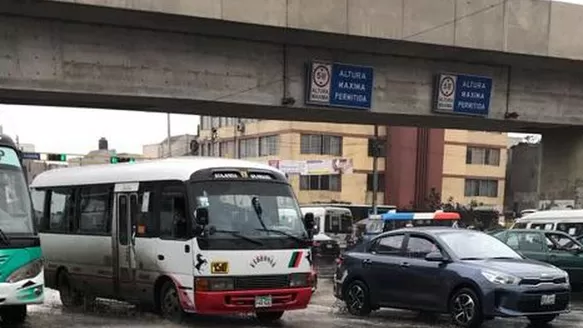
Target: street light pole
{"x": 169, "y": 134}
{"x": 375, "y": 171}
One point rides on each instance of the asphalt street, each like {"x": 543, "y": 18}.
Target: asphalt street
{"x": 324, "y": 312}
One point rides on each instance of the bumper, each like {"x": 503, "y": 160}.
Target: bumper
{"x": 516, "y": 302}
{"x": 28, "y": 291}
{"x": 244, "y": 301}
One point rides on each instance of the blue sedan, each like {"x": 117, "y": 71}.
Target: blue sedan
{"x": 468, "y": 274}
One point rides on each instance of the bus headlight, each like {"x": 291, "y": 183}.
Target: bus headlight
{"x": 28, "y": 271}
{"x": 214, "y": 284}
{"x": 300, "y": 280}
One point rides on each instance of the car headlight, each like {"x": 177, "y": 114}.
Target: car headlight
{"x": 28, "y": 271}
{"x": 300, "y": 280}
{"x": 215, "y": 284}
{"x": 500, "y": 278}
{"x": 566, "y": 274}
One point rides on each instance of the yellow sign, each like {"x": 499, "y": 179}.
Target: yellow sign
{"x": 219, "y": 267}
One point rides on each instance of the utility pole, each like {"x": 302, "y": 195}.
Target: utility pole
{"x": 375, "y": 171}
{"x": 169, "y": 134}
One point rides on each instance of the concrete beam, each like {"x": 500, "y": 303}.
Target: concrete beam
{"x": 68, "y": 59}
{"x": 535, "y": 27}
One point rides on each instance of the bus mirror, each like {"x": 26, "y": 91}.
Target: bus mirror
{"x": 309, "y": 221}
{"x": 201, "y": 215}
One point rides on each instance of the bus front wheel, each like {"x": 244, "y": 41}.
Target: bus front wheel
{"x": 70, "y": 297}
{"x": 170, "y": 307}
{"x": 13, "y": 314}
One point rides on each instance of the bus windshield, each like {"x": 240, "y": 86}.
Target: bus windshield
{"x": 15, "y": 207}
{"x": 251, "y": 208}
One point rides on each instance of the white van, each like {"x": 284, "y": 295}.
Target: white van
{"x": 568, "y": 221}
{"x": 334, "y": 222}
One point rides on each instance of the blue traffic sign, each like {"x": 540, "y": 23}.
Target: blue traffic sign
{"x": 463, "y": 94}
{"x": 339, "y": 85}
{"x": 33, "y": 156}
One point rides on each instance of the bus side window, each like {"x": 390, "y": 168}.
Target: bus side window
{"x": 62, "y": 209}
{"x": 39, "y": 204}
{"x": 173, "y": 214}
{"x": 94, "y": 213}
{"x": 145, "y": 216}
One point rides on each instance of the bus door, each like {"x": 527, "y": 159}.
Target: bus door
{"x": 126, "y": 206}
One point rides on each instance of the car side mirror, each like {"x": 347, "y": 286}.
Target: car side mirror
{"x": 201, "y": 216}
{"x": 434, "y": 257}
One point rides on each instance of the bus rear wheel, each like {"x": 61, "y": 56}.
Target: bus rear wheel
{"x": 13, "y": 314}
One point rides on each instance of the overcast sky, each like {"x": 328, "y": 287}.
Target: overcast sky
{"x": 77, "y": 130}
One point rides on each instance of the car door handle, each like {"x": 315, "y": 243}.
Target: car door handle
{"x": 405, "y": 265}
{"x": 366, "y": 262}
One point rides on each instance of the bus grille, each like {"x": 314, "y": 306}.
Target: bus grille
{"x": 261, "y": 282}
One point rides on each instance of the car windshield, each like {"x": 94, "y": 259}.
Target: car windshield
{"x": 249, "y": 208}
{"x": 15, "y": 205}
{"x": 473, "y": 245}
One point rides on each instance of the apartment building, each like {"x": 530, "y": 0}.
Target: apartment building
{"x": 464, "y": 165}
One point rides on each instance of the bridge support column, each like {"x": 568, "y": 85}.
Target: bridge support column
{"x": 561, "y": 177}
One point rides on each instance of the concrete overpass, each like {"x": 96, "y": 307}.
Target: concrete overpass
{"x": 247, "y": 58}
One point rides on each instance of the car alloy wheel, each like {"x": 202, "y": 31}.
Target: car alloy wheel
{"x": 465, "y": 308}
{"x": 357, "y": 298}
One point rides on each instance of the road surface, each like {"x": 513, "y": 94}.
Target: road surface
{"x": 324, "y": 312}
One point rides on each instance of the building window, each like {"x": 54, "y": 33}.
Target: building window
{"x": 227, "y": 149}
{"x": 205, "y": 123}
{"x": 483, "y": 156}
{"x": 381, "y": 182}
{"x": 321, "y": 182}
{"x": 321, "y": 144}
{"x": 248, "y": 148}
{"x": 268, "y": 145}
{"x": 215, "y": 121}
{"x": 481, "y": 188}
{"x": 382, "y": 144}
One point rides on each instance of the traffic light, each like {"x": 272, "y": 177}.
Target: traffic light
{"x": 115, "y": 160}
{"x": 57, "y": 157}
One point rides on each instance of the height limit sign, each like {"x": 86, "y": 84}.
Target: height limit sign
{"x": 339, "y": 85}
{"x": 321, "y": 77}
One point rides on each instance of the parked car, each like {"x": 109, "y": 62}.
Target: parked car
{"x": 324, "y": 246}
{"x": 468, "y": 274}
{"x": 554, "y": 247}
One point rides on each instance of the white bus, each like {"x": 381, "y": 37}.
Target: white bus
{"x": 333, "y": 222}
{"x": 189, "y": 235}
{"x": 568, "y": 221}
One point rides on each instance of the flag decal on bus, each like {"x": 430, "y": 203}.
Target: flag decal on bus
{"x": 295, "y": 260}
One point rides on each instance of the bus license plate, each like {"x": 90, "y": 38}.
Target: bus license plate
{"x": 547, "y": 299}
{"x": 328, "y": 245}
{"x": 263, "y": 301}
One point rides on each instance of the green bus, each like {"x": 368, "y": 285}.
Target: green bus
{"x": 21, "y": 265}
